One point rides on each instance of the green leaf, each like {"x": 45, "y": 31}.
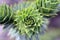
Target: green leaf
{"x": 28, "y": 20}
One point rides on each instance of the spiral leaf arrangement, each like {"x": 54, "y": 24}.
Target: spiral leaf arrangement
{"x": 5, "y": 13}
{"x": 28, "y": 21}
{"x": 47, "y": 7}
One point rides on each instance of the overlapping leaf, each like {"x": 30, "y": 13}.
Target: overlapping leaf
{"x": 5, "y": 13}
{"x": 47, "y": 7}
{"x": 28, "y": 20}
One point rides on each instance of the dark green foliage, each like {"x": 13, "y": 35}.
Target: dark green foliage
{"x": 5, "y": 13}
{"x": 47, "y": 7}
